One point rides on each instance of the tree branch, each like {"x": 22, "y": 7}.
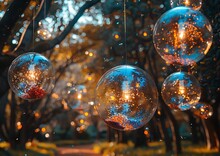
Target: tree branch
{"x": 14, "y": 11}
{"x": 44, "y": 46}
{"x": 24, "y": 42}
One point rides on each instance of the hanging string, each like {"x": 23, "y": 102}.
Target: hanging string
{"x": 125, "y": 31}
{"x": 33, "y": 17}
{"x": 45, "y": 8}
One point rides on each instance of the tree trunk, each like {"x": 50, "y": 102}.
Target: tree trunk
{"x": 167, "y": 139}
{"x": 212, "y": 140}
{"x": 140, "y": 138}
{"x": 174, "y": 128}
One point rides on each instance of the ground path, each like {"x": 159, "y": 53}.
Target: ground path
{"x": 79, "y": 150}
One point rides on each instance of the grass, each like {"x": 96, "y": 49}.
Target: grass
{"x": 154, "y": 149}
{"x": 72, "y": 142}
{"x": 34, "y": 148}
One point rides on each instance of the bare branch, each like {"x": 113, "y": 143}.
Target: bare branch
{"x": 44, "y": 46}
{"x": 14, "y": 11}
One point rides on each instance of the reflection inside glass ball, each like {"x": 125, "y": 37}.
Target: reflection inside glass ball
{"x": 194, "y": 4}
{"x": 31, "y": 76}
{"x": 126, "y": 97}
{"x": 202, "y": 110}
{"x": 182, "y": 36}
{"x": 181, "y": 91}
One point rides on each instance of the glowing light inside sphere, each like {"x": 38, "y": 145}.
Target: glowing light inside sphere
{"x": 126, "y": 97}
{"x": 44, "y": 34}
{"x": 181, "y": 91}
{"x": 193, "y": 4}
{"x": 202, "y": 110}
{"x": 31, "y": 76}
{"x": 182, "y": 36}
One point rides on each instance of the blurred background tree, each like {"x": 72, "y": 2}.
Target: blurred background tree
{"x": 83, "y": 40}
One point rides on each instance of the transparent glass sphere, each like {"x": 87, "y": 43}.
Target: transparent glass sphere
{"x": 76, "y": 96}
{"x": 182, "y": 36}
{"x": 44, "y": 34}
{"x": 181, "y": 91}
{"x": 126, "y": 97}
{"x": 202, "y": 110}
{"x": 31, "y": 76}
{"x": 193, "y": 4}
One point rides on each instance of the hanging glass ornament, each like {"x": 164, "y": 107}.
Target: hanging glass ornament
{"x": 182, "y": 36}
{"x": 76, "y": 95}
{"x": 126, "y": 97}
{"x": 202, "y": 110}
{"x": 31, "y": 76}
{"x": 181, "y": 91}
{"x": 44, "y": 34}
{"x": 193, "y": 4}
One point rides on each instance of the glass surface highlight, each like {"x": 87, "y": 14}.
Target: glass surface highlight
{"x": 193, "y": 4}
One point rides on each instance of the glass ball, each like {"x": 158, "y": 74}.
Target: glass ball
{"x": 44, "y": 34}
{"x": 202, "y": 110}
{"x": 182, "y": 36}
{"x": 193, "y": 4}
{"x": 76, "y": 96}
{"x": 181, "y": 91}
{"x": 31, "y": 76}
{"x": 126, "y": 97}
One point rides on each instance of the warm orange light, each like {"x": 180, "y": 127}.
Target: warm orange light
{"x": 146, "y": 133}
{"x": 158, "y": 112}
{"x": 112, "y": 98}
{"x": 89, "y": 78}
{"x": 86, "y": 113}
{"x": 145, "y": 34}
{"x": 19, "y": 125}
{"x": 117, "y": 36}
{"x": 43, "y": 130}
{"x": 81, "y": 121}
{"x": 79, "y": 96}
{"x": 137, "y": 85}
{"x": 37, "y": 115}
{"x": 91, "y": 54}
{"x": 182, "y": 89}
{"x": 37, "y": 130}
{"x": 65, "y": 105}
{"x": 55, "y": 96}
